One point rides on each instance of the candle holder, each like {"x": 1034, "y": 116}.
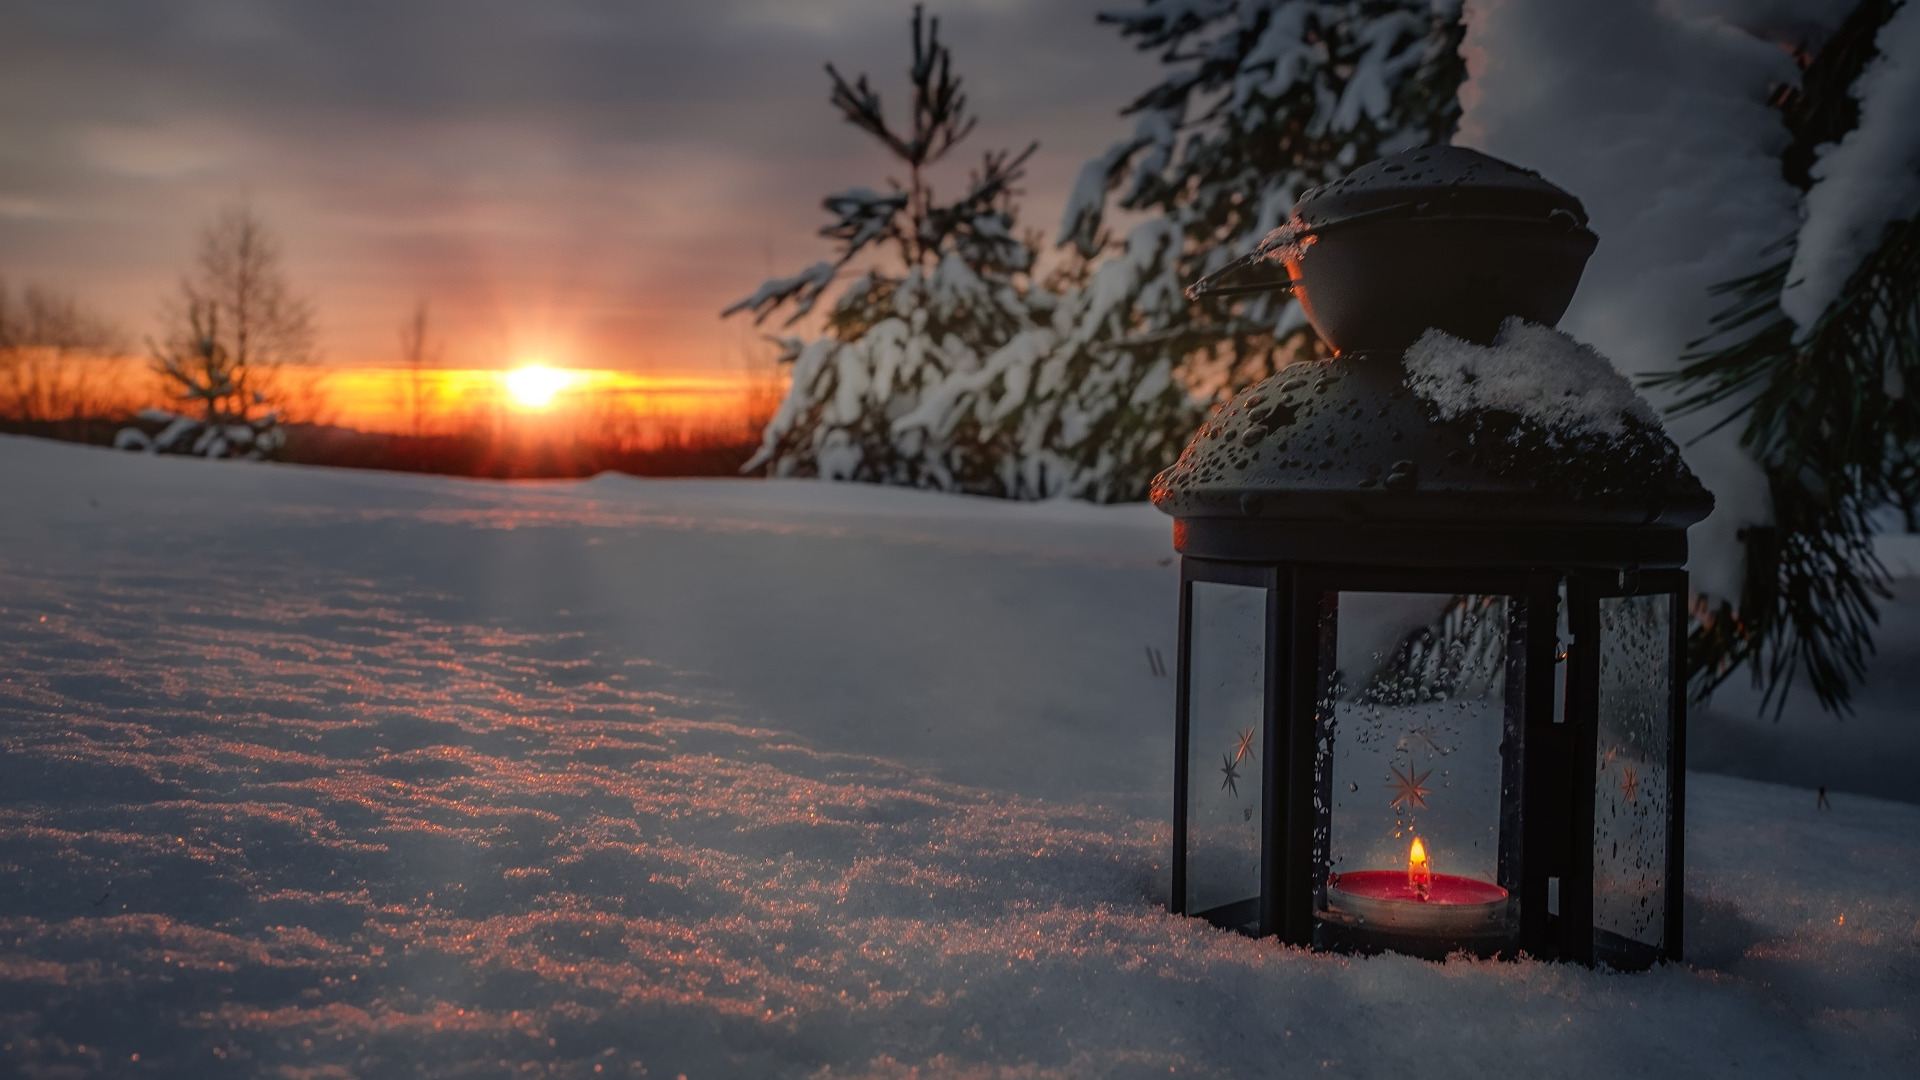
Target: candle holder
{"x": 1430, "y": 689}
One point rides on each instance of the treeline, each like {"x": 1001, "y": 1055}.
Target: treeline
{"x": 231, "y": 374}
{"x": 62, "y": 374}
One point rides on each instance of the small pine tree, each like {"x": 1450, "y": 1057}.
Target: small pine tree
{"x": 214, "y": 420}
{"x": 945, "y": 287}
{"x": 1074, "y": 406}
{"x": 236, "y": 326}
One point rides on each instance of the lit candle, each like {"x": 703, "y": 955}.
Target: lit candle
{"x": 1419, "y": 872}
{"x": 1418, "y": 901}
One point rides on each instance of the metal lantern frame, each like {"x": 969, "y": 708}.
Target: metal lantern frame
{"x": 1547, "y": 853}
{"x": 1348, "y": 477}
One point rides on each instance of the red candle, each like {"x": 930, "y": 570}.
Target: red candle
{"x": 1416, "y": 900}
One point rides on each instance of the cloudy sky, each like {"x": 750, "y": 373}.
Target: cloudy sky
{"x": 581, "y": 181}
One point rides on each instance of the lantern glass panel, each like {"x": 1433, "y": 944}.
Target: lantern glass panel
{"x": 1226, "y": 707}
{"x": 1631, "y": 791}
{"x": 1419, "y": 694}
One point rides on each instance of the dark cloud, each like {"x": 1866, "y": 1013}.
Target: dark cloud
{"x": 628, "y": 165}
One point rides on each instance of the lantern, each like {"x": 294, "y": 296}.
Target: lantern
{"x": 1430, "y": 683}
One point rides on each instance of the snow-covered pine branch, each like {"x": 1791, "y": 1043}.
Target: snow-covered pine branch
{"x": 1866, "y": 181}
{"x": 1262, "y": 100}
{"x": 947, "y": 367}
{"x": 802, "y": 290}
{"x": 1790, "y": 402}
{"x": 943, "y": 364}
{"x": 866, "y": 216}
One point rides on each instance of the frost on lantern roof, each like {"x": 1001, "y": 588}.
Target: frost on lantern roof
{"x": 1544, "y": 426}
{"x": 1565, "y": 389}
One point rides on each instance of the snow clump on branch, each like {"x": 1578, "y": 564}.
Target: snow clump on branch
{"x": 1865, "y": 182}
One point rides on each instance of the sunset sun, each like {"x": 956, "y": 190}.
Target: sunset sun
{"x": 534, "y": 386}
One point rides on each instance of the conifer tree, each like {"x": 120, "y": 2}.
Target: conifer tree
{"x": 1817, "y": 361}
{"x": 233, "y": 331}
{"x": 952, "y": 368}
{"x": 1263, "y": 99}
{"x": 942, "y": 286}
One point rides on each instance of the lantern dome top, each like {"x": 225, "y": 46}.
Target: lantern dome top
{"x": 1436, "y": 236}
{"x": 1534, "y": 449}
{"x": 1438, "y": 182}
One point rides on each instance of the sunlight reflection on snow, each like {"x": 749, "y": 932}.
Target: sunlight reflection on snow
{"x": 374, "y": 822}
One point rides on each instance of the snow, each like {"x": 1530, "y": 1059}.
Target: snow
{"x": 1655, "y": 115}
{"x": 1801, "y": 22}
{"x": 803, "y": 288}
{"x": 1086, "y": 204}
{"x": 967, "y": 384}
{"x": 1872, "y": 752}
{"x": 1868, "y": 181}
{"x": 1156, "y": 129}
{"x": 1899, "y": 553}
{"x": 1393, "y": 43}
{"x": 1532, "y": 371}
{"x": 323, "y": 773}
{"x": 865, "y": 215}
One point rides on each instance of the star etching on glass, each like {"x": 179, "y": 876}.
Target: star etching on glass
{"x": 1231, "y": 770}
{"x": 1408, "y": 788}
{"x": 1425, "y": 736}
{"x": 1244, "y": 747}
{"x": 1629, "y": 783}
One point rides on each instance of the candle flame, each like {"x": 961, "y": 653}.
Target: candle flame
{"x": 1419, "y": 872}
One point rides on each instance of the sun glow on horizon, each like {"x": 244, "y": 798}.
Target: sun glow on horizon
{"x": 535, "y": 385}
{"x": 443, "y": 401}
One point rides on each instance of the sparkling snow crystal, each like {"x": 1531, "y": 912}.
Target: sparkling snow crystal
{"x": 1532, "y": 371}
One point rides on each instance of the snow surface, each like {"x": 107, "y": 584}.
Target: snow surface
{"x": 1899, "y": 553}
{"x": 314, "y": 773}
{"x": 1532, "y": 371}
{"x": 1655, "y": 115}
{"x": 1866, "y": 182}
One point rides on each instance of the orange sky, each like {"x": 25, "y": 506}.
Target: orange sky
{"x": 639, "y": 407}
{"x": 644, "y": 405}
{"x": 580, "y": 186}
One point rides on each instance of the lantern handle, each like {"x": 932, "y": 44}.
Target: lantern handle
{"x": 1201, "y": 288}
{"x": 1210, "y": 284}
{"x": 1295, "y": 234}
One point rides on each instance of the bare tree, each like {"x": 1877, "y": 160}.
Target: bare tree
{"x": 235, "y": 325}
{"x": 50, "y": 353}
{"x": 419, "y": 353}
